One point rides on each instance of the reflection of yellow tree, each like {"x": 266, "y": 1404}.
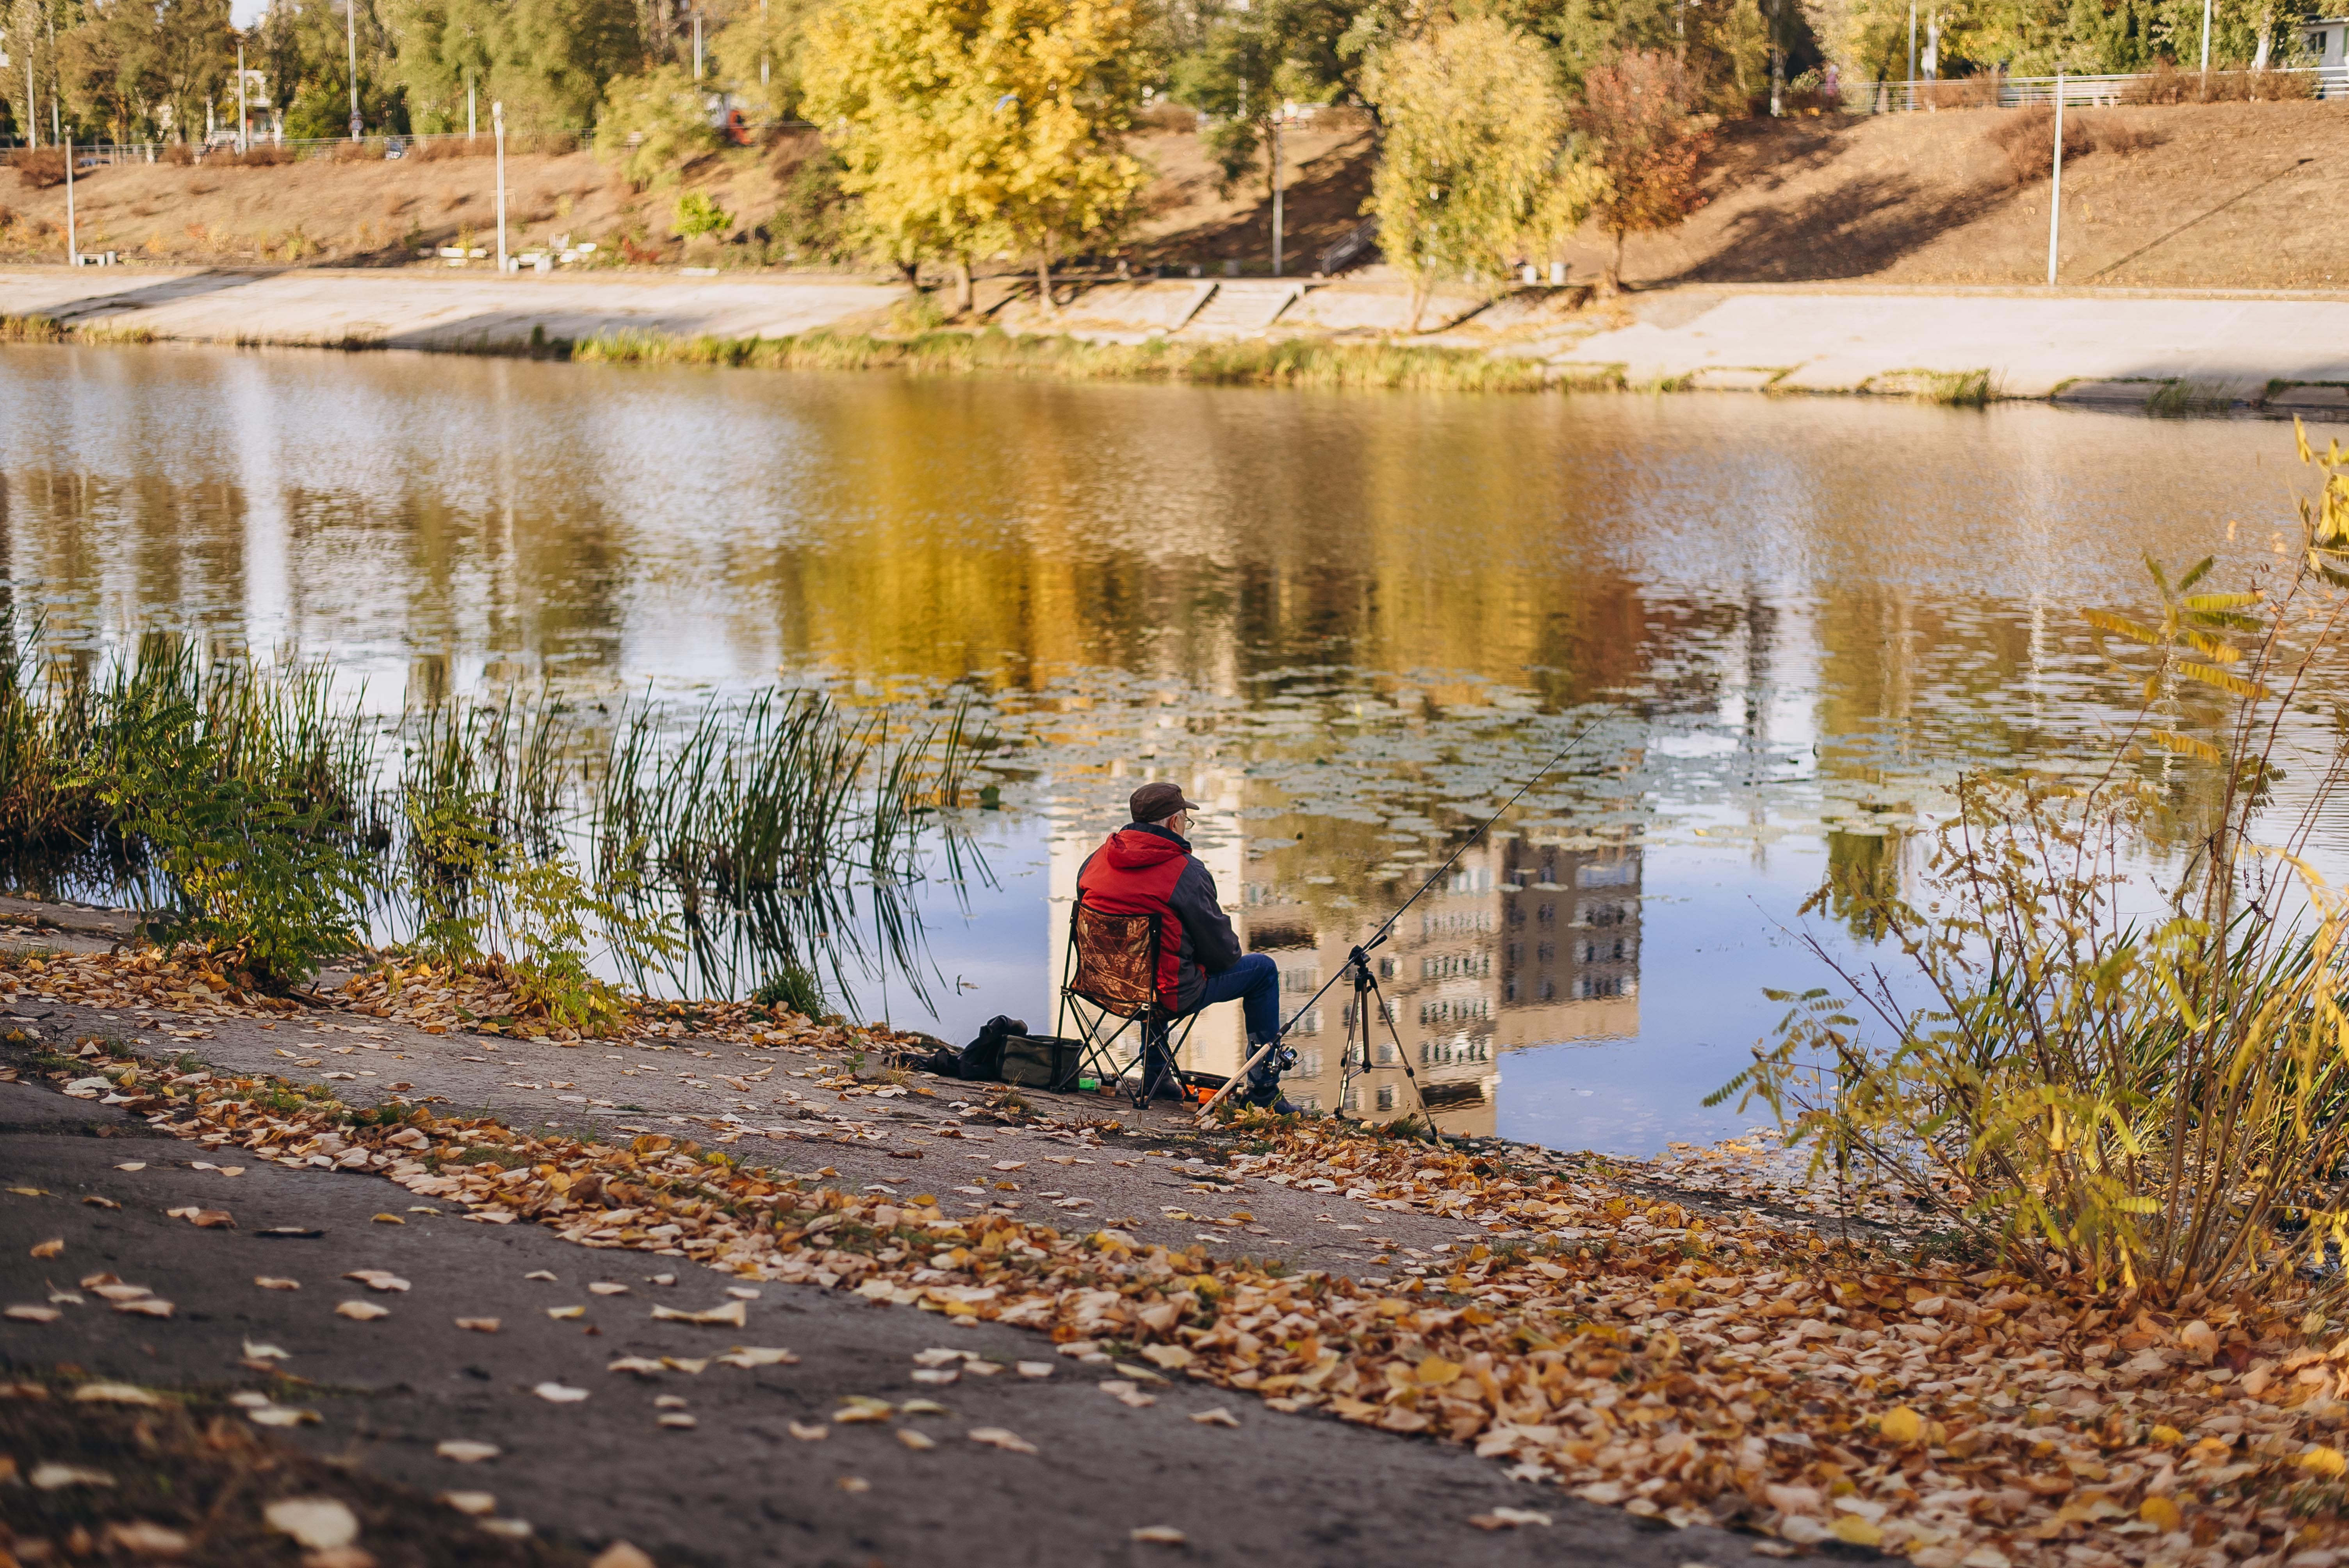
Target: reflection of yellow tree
{"x": 1157, "y": 543}
{"x": 1863, "y": 876}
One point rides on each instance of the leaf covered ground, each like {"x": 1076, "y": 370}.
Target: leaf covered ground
{"x": 1686, "y": 1367}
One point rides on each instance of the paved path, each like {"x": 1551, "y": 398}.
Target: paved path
{"x": 737, "y": 1487}
{"x": 2229, "y": 346}
{"x": 343, "y": 308}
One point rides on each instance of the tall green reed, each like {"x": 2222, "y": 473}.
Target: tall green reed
{"x": 2128, "y": 1082}
{"x": 249, "y": 806}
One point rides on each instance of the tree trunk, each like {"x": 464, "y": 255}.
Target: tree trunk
{"x": 1419, "y": 289}
{"x": 964, "y": 303}
{"x": 1612, "y": 283}
{"x": 1044, "y": 276}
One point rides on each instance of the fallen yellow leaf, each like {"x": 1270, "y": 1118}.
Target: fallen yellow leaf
{"x": 1853, "y": 1531}
{"x": 2160, "y": 1512}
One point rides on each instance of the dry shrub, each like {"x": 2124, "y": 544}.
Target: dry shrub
{"x": 479, "y": 146}
{"x": 2166, "y": 84}
{"x": 2027, "y": 137}
{"x": 2116, "y": 136}
{"x": 1167, "y": 115}
{"x": 1975, "y": 92}
{"x": 2134, "y": 1084}
{"x": 178, "y": 154}
{"x": 260, "y": 156}
{"x": 39, "y": 167}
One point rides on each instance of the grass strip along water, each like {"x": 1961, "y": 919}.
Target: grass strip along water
{"x": 1687, "y": 1368}
{"x": 1268, "y": 362}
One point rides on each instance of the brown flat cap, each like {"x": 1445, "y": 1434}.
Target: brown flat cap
{"x": 1154, "y": 802}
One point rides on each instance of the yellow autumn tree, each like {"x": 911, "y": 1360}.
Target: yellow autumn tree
{"x": 1474, "y": 168}
{"x": 971, "y": 125}
{"x": 1066, "y": 75}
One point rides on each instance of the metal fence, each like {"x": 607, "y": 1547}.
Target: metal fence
{"x": 1996, "y": 92}
{"x": 335, "y": 149}
{"x": 305, "y": 149}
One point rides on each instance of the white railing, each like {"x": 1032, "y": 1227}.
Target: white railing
{"x": 365, "y": 148}
{"x": 2086, "y": 91}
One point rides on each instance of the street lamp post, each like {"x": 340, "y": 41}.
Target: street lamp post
{"x": 351, "y": 47}
{"x": 2056, "y": 195}
{"x": 498, "y": 130}
{"x": 244, "y": 145}
{"x": 1276, "y": 188}
{"x": 73, "y": 247}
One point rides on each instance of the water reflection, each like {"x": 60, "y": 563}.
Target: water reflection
{"x": 1352, "y": 624}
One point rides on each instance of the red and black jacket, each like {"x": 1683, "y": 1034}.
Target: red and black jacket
{"x": 1145, "y": 869}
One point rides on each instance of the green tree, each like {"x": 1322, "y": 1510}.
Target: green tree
{"x": 548, "y": 61}
{"x": 136, "y": 67}
{"x": 300, "y": 46}
{"x": 654, "y": 123}
{"x": 1635, "y": 115}
{"x": 1474, "y": 170}
{"x": 756, "y": 55}
{"x": 1247, "y": 61}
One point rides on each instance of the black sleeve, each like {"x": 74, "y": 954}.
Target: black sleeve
{"x": 1214, "y": 943}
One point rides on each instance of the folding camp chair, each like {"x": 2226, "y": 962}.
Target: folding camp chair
{"x": 1108, "y": 984}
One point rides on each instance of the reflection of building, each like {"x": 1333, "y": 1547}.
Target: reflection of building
{"x": 1570, "y": 955}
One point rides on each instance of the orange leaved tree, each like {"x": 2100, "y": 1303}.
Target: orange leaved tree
{"x": 1635, "y": 117}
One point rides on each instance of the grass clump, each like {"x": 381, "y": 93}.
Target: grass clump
{"x": 1262, "y": 362}
{"x": 2115, "y": 1091}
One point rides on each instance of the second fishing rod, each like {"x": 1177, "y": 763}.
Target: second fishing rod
{"x": 1367, "y": 995}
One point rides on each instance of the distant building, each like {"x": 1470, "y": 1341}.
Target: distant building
{"x": 2325, "y": 40}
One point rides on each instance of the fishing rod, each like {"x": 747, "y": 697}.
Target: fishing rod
{"x": 1358, "y": 960}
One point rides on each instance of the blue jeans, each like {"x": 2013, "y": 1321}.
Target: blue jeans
{"x": 1255, "y": 980}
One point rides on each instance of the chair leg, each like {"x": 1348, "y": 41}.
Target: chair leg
{"x": 1159, "y": 1074}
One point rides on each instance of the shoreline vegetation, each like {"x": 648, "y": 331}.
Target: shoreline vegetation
{"x": 517, "y": 845}
{"x": 1300, "y": 362}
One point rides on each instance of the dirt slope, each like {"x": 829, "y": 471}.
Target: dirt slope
{"x": 2223, "y": 195}
{"x": 2218, "y": 196}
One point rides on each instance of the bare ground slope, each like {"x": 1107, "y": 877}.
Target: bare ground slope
{"x": 2212, "y": 196}
{"x": 2216, "y": 196}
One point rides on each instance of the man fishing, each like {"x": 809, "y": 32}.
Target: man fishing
{"x": 1147, "y": 868}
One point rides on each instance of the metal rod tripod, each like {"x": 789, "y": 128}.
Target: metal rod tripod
{"x": 1369, "y": 1000}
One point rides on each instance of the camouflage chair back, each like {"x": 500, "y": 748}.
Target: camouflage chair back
{"x": 1110, "y": 985}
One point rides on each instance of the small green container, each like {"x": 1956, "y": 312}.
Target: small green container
{"x": 1089, "y": 1086}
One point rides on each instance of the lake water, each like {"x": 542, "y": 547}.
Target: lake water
{"x": 1348, "y": 625}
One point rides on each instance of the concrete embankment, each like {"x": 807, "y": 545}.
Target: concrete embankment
{"x": 2273, "y": 352}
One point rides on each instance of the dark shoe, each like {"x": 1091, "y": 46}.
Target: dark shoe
{"x": 1265, "y": 1095}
